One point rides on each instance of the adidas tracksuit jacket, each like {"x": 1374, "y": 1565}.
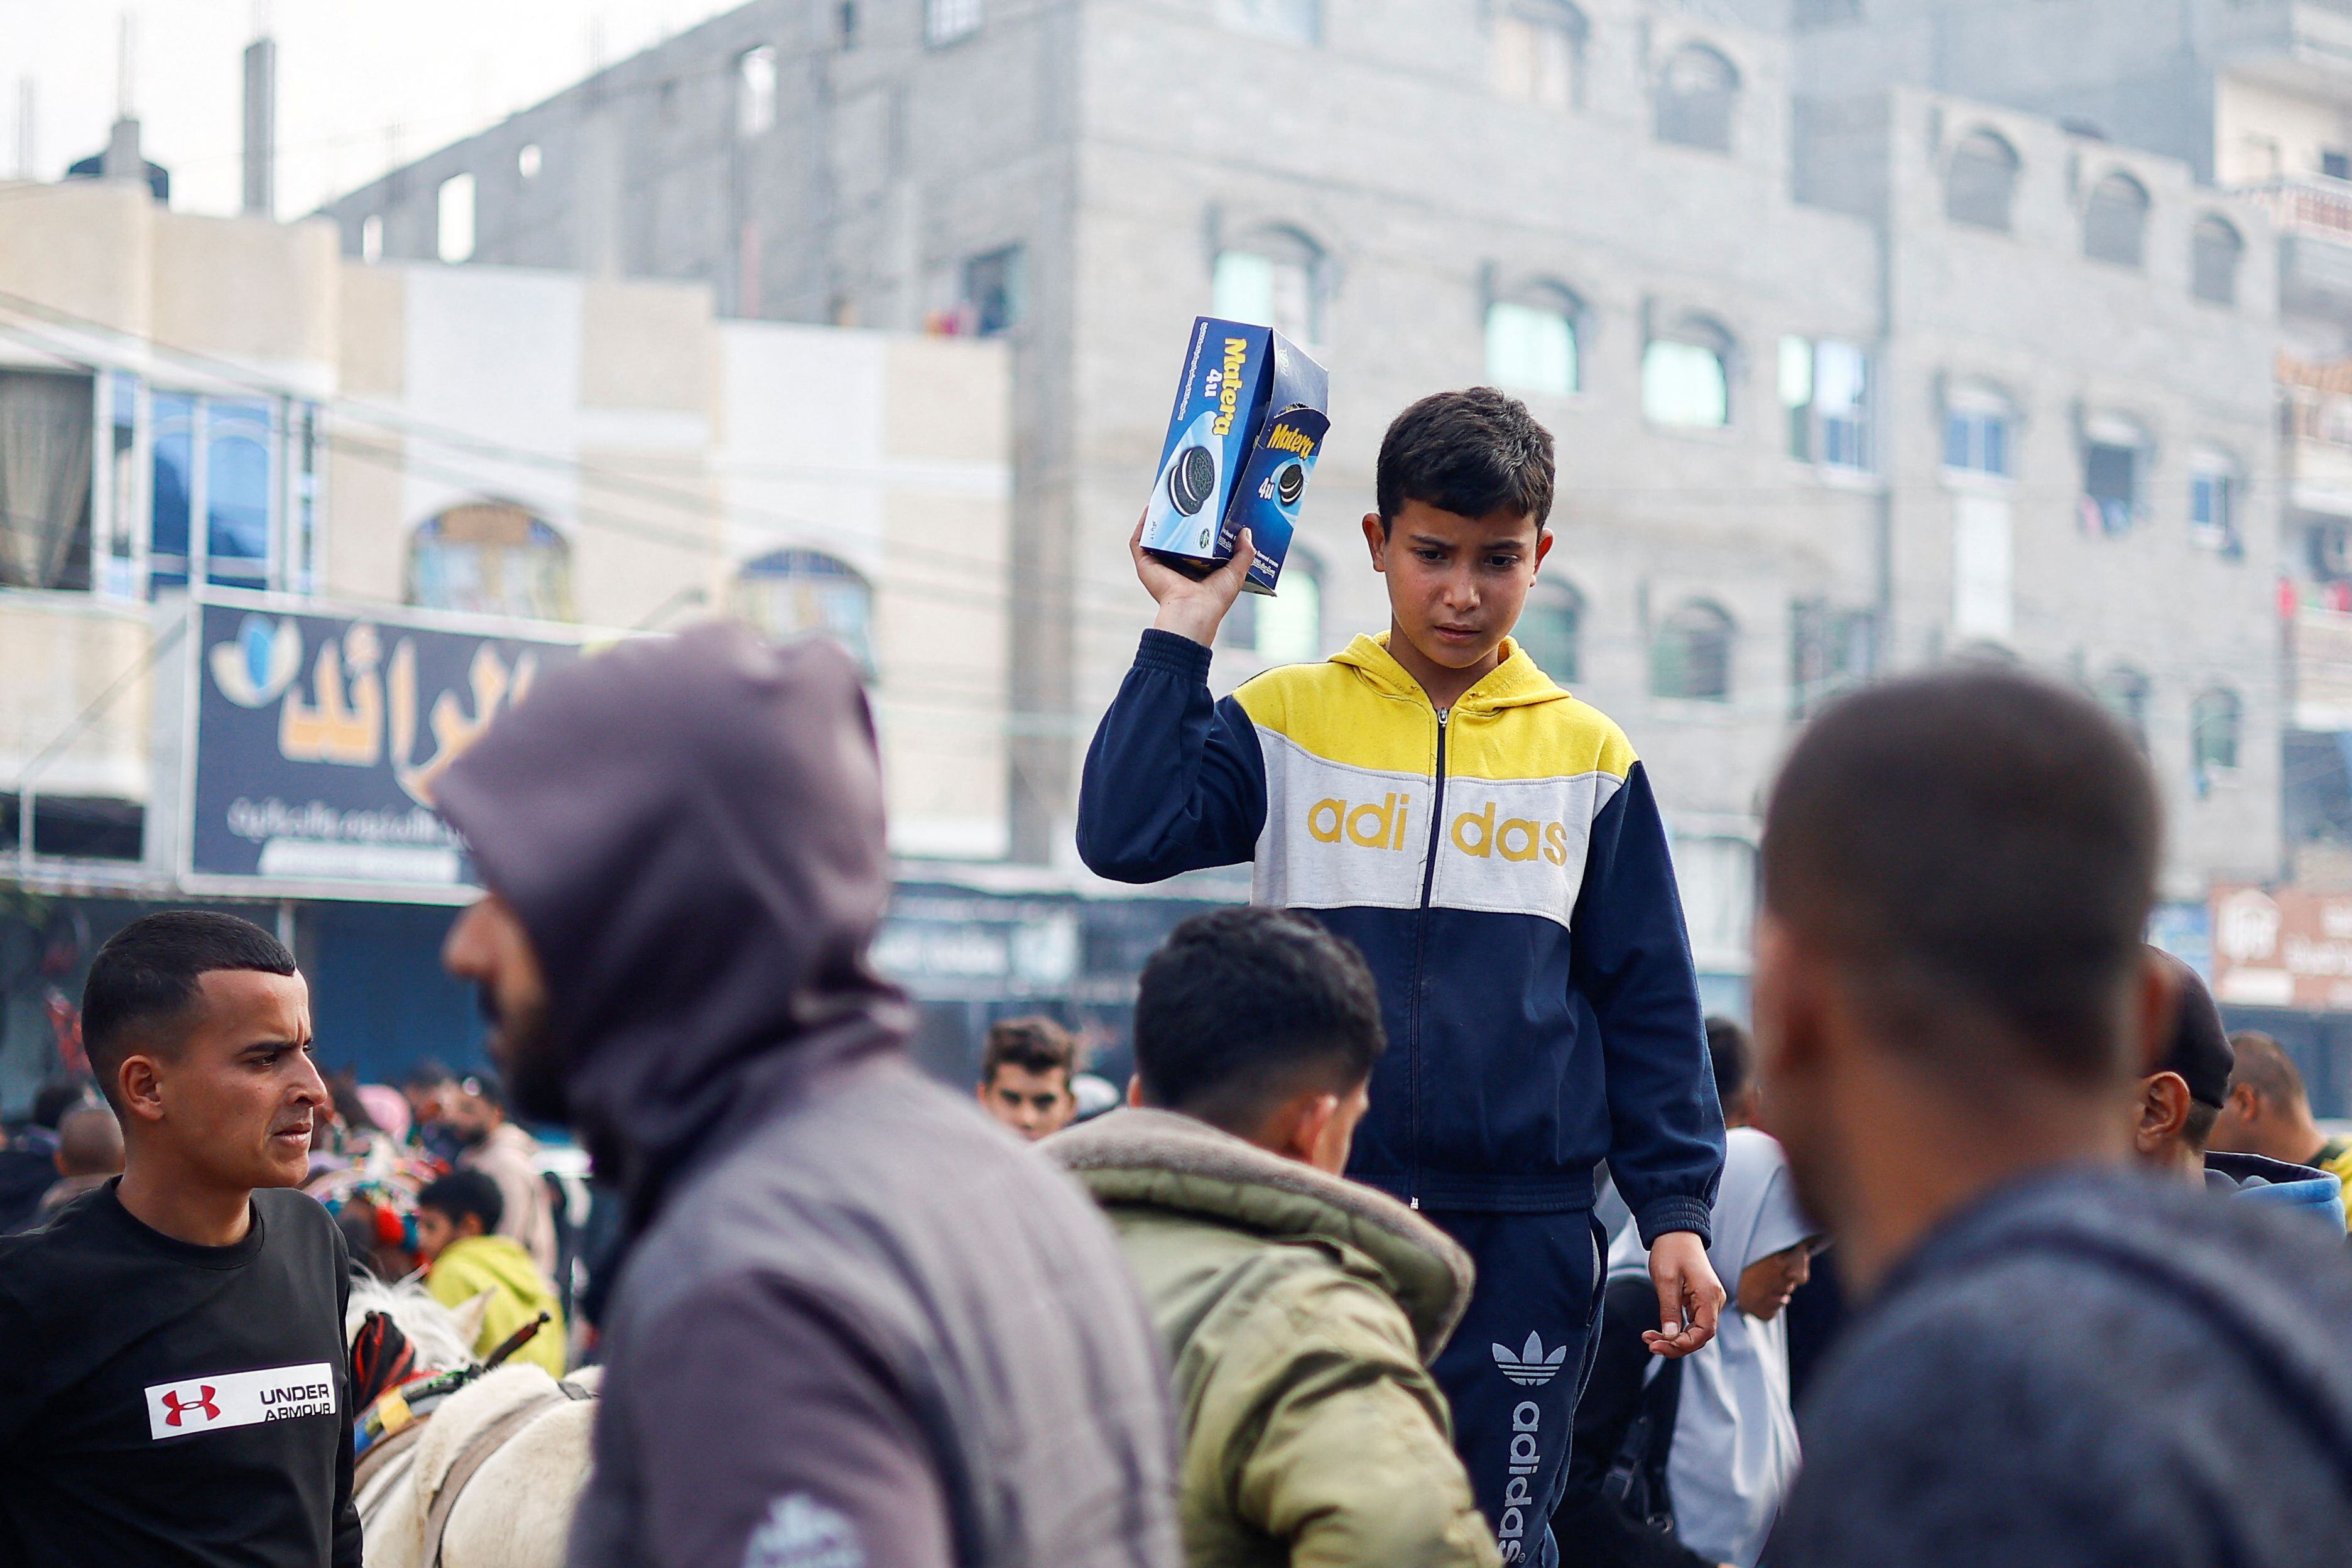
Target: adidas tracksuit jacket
{"x": 1504, "y": 869}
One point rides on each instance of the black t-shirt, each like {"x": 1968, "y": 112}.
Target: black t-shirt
{"x": 167, "y": 1403}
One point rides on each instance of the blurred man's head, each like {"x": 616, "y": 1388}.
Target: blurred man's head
{"x": 1957, "y": 868}
{"x": 454, "y": 1207}
{"x": 198, "y": 1029}
{"x": 2175, "y": 1107}
{"x": 1734, "y": 1059}
{"x": 1025, "y": 1076}
{"x": 423, "y": 1087}
{"x": 2268, "y": 1113}
{"x": 488, "y": 946}
{"x": 89, "y": 1142}
{"x": 474, "y": 1107}
{"x": 58, "y": 1096}
{"x": 1260, "y": 1022}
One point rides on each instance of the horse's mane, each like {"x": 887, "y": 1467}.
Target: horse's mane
{"x": 432, "y": 1332}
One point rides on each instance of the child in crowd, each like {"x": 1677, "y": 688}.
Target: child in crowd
{"x": 1491, "y": 846}
{"x": 1026, "y": 1076}
{"x": 1255, "y": 1031}
{"x": 457, "y": 1234}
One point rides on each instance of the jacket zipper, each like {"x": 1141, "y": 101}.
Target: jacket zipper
{"x": 1420, "y": 951}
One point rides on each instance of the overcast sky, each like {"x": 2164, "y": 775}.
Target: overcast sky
{"x": 349, "y": 73}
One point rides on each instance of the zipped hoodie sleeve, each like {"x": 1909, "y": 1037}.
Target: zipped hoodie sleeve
{"x": 1630, "y": 958}
{"x": 1174, "y": 780}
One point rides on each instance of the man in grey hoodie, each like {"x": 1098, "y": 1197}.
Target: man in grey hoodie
{"x": 2063, "y": 1359}
{"x": 857, "y": 1327}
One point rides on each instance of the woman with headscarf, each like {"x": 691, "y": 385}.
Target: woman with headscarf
{"x": 1681, "y": 1464}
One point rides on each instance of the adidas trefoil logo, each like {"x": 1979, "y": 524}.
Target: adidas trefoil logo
{"x": 1528, "y": 1365}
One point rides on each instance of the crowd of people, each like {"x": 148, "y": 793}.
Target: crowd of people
{"x": 1334, "y": 1285}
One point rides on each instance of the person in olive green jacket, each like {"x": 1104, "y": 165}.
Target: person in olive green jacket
{"x": 456, "y": 1221}
{"x": 1300, "y": 1310}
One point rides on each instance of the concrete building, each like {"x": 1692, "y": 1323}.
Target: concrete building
{"x": 233, "y": 403}
{"x": 1837, "y": 387}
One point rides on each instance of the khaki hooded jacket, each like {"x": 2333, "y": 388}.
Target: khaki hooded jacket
{"x": 1299, "y": 1313}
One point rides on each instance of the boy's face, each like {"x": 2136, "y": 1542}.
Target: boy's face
{"x": 1033, "y": 1104}
{"x": 437, "y": 1232}
{"x": 1456, "y": 583}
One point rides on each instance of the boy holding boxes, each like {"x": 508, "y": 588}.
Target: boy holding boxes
{"x": 1492, "y": 846}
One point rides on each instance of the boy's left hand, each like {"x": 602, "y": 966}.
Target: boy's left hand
{"x": 1690, "y": 1295}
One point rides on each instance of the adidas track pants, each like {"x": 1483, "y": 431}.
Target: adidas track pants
{"x": 1515, "y": 1367}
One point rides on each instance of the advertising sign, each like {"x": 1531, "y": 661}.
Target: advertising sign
{"x": 2287, "y": 948}
{"x": 317, "y": 736}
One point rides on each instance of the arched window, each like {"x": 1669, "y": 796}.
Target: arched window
{"x": 1540, "y": 52}
{"x": 1686, "y": 376}
{"x": 492, "y": 558}
{"x": 1275, "y": 277}
{"x": 1697, "y": 94}
{"x": 2214, "y": 249}
{"x": 792, "y": 593}
{"x": 1691, "y": 658}
{"x": 2214, "y": 720}
{"x": 1981, "y": 183}
{"x": 1552, "y": 629}
{"x": 2123, "y": 695}
{"x": 2115, "y": 221}
{"x": 1531, "y": 343}
{"x": 1285, "y": 627}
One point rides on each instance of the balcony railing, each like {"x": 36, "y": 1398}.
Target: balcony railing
{"x": 2312, "y": 203}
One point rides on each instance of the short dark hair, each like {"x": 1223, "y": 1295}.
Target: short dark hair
{"x": 1469, "y": 453}
{"x": 2263, "y": 1064}
{"x": 1241, "y": 1006}
{"x": 1734, "y": 1059}
{"x": 430, "y": 1072}
{"x": 1976, "y": 849}
{"x": 463, "y": 1193}
{"x": 1035, "y": 1044}
{"x": 60, "y": 1095}
{"x": 148, "y": 971}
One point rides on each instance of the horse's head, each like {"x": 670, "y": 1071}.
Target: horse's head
{"x": 441, "y": 1338}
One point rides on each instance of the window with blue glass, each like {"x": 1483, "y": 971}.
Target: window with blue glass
{"x": 155, "y": 487}
{"x": 240, "y": 481}
{"x": 1976, "y": 441}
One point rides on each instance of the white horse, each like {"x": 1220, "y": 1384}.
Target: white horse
{"x": 490, "y": 1478}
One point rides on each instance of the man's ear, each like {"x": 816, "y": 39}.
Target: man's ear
{"x": 2163, "y": 1112}
{"x": 1309, "y": 1116}
{"x": 1789, "y": 1005}
{"x": 1376, "y": 539}
{"x": 139, "y": 1083}
{"x": 1543, "y": 543}
{"x": 2245, "y": 1104}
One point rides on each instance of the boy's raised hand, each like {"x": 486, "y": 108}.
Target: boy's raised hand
{"x": 1192, "y": 607}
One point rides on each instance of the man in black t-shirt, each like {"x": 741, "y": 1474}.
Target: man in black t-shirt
{"x": 173, "y": 1383}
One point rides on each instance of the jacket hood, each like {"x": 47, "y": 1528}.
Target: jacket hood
{"x": 2277, "y": 1182}
{"x": 500, "y": 1258}
{"x": 1172, "y": 1161}
{"x": 691, "y": 830}
{"x": 1515, "y": 682}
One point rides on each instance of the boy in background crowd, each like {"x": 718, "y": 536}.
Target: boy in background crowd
{"x": 457, "y": 1235}
{"x": 1025, "y": 1076}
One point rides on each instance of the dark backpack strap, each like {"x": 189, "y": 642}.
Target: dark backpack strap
{"x": 1636, "y": 1477}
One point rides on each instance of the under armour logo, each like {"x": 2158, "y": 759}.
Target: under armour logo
{"x": 1528, "y": 1364}
{"x": 179, "y": 1406}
